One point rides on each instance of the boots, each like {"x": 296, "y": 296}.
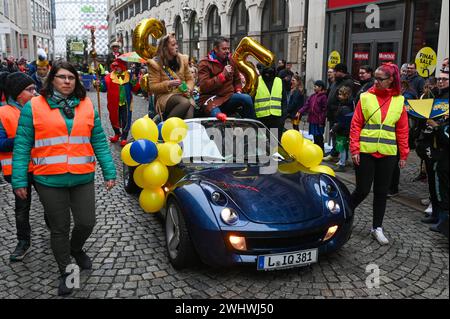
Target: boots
{"x": 83, "y": 260}
{"x": 63, "y": 290}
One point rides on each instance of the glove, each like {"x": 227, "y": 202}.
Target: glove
{"x": 222, "y": 117}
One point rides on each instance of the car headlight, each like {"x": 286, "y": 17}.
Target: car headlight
{"x": 333, "y": 207}
{"x": 229, "y": 216}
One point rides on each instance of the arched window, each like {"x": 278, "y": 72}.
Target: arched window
{"x": 179, "y": 33}
{"x": 275, "y": 23}
{"x": 194, "y": 35}
{"x": 239, "y": 23}
{"x": 214, "y": 30}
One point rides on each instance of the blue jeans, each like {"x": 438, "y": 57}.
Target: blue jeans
{"x": 232, "y": 106}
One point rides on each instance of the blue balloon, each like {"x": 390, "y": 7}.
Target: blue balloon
{"x": 160, "y": 138}
{"x": 143, "y": 151}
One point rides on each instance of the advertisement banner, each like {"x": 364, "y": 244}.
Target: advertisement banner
{"x": 333, "y": 59}
{"x": 361, "y": 56}
{"x": 426, "y": 60}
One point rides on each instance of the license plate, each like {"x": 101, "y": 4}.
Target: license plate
{"x": 293, "y": 259}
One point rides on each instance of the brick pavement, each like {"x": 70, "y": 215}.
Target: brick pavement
{"x": 129, "y": 258}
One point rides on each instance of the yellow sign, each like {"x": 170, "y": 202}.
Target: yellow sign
{"x": 426, "y": 60}
{"x": 333, "y": 59}
{"x": 77, "y": 47}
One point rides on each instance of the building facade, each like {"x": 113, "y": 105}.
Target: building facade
{"x": 360, "y": 32}
{"x": 277, "y": 24}
{"x": 74, "y": 19}
{"x": 25, "y": 26}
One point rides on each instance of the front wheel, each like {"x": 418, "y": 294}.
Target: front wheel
{"x": 128, "y": 181}
{"x": 179, "y": 246}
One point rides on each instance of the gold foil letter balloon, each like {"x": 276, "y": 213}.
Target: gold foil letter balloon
{"x": 144, "y": 29}
{"x": 246, "y": 47}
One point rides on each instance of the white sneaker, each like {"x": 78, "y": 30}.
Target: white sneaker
{"x": 379, "y": 236}
{"x": 425, "y": 202}
{"x": 429, "y": 209}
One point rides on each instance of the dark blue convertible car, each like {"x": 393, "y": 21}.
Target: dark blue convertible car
{"x": 228, "y": 204}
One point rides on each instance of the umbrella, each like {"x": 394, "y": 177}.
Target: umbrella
{"x": 427, "y": 108}
{"x": 132, "y": 57}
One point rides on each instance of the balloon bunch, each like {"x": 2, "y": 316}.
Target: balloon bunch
{"x": 152, "y": 158}
{"x": 308, "y": 155}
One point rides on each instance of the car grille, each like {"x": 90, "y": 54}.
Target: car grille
{"x": 288, "y": 241}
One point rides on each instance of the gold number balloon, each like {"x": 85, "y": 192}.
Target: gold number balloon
{"x": 246, "y": 47}
{"x": 144, "y": 29}
{"x": 144, "y": 82}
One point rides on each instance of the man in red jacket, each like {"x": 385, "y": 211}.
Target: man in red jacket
{"x": 220, "y": 84}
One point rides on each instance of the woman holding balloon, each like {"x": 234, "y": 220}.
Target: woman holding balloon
{"x": 170, "y": 79}
{"x": 61, "y": 133}
{"x": 379, "y": 130}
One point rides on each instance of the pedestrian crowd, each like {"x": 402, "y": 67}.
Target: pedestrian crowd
{"x": 51, "y": 135}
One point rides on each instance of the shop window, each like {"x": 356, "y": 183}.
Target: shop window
{"x": 214, "y": 29}
{"x": 179, "y": 33}
{"x": 194, "y": 35}
{"x": 239, "y": 23}
{"x": 275, "y": 23}
{"x": 427, "y": 15}
{"x": 336, "y": 33}
{"x": 391, "y": 19}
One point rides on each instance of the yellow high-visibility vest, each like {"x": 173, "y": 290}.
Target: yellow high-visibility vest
{"x": 268, "y": 103}
{"x": 377, "y": 136}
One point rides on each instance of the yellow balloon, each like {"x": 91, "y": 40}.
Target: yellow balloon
{"x": 145, "y": 128}
{"x": 126, "y": 156}
{"x": 309, "y": 155}
{"x": 141, "y": 44}
{"x": 292, "y": 141}
{"x": 138, "y": 175}
{"x": 156, "y": 174}
{"x": 289, "y": 168}
{"x": 152, "y": 199}
{"x": 323, "y": 169}
{"x": 174, "y": 130}
{"x": 169, "y": 153}
{"x": 249, "y": 46}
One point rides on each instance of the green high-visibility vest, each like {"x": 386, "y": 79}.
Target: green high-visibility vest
{"x": 378, "y": 136}
{"x": 268, "y": 103}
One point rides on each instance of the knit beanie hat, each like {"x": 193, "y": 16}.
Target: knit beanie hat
{"x": 321, "y": 84}
{"x": 17, "y": 82}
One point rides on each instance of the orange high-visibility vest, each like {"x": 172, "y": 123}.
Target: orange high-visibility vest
{"x": 9, "y": 116}
{"x": 55, "y": 151}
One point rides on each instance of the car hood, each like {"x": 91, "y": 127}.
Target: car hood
{"x": 273, "y": 198}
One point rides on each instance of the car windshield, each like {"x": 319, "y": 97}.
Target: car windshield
{"x": 236, "y": 141}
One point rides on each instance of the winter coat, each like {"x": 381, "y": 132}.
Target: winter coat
{"x": 24, "y": 142}
{"x": 214, "y": 84}
{"x": 365, "y": 86}
{"x": 416, "y": 83}
{"x": 316, "y": 106}
{"x": 158, "y": 81}
{"x": 343, "y": 119}
{"x": 384, "y": 98}
{"x": 333, "y": 101}
{"x": 295, "y": 102}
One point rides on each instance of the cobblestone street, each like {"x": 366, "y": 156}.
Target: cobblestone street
{"x": 130, "y": 261}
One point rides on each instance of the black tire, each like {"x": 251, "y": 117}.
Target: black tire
{"x": 128, "y": 182}
{"x": 185, "y": 254}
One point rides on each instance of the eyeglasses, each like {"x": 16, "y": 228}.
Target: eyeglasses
{"x": 380, "y": 79}
{"x": 65, "y": 77}
{"x": 442, "y": 79}
{"x": 68, "y": 112}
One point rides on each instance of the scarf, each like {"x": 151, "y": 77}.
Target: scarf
{"x": 61, "y": 100}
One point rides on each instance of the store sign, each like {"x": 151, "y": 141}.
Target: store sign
{"x": 387, "y": 56}
{"x": 426, "y": 60}
{"x": 361, "y": 56}
{"x": 337, "y": 4}
{"x": 333, "y": 59}
{"x": 101, "y": 27}
{"x": 87, "y": 9}
{"x": 77, "y": 47}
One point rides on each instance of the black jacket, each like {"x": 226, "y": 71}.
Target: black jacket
{"x": 365, "y": 86}
{"x": 333, "y": 102}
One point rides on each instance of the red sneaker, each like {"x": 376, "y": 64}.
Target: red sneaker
{"x": 123, "y": 143}
{"x": 114, "y": 139}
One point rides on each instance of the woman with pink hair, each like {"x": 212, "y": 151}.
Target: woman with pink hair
{"x": 379, "y": 130}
